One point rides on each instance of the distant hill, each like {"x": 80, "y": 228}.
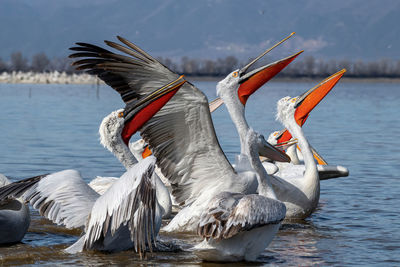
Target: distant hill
{"x": 364, "y": 29}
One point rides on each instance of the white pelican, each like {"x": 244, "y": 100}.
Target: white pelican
{"x": 237, "y": 226}
{"x": 299, "y": 192}
{"x": 297, "y": 165}
{"x": 284, "y": 138}
{"x": 181, "y": 135}
{"x": 14, "y": 217}
{"x": 128, "y": 214}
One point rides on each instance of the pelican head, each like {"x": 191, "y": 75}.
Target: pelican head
{"x": 244, "y": 83}
{"x": 257, "y": 145}
{"x": 121, "y": 124}
{"x": 286, "y": 108}
{"x": 138, "y": 112}
{"x": 111, "y": 128}
{"x": 273, "y": 138}
{"x": 302, "y": 105}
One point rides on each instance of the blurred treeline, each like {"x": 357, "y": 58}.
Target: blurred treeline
{"x": 307, "y": 66}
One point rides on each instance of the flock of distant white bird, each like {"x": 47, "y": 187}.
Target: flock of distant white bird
{"x": 47, "y": 77}
{"x": 179, "y": 163}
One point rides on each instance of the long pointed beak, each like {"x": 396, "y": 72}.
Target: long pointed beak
{"x": 267, "y": 150}
{"x": 307, "y": 101}
{"x": 250, "y": 82}
{"x": 139, "y": 112}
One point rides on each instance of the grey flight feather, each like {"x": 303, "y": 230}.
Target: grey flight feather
{"x": 62, "y": 197}
{"x": 17, "y": 189}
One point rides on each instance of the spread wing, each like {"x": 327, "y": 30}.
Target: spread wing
{"x": 131, "y": 201}
{"x": 181, "y": 135}
{"x": 63, "y": 197}
{"x": 229, "y": 214}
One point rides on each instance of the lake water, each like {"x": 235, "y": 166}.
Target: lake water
{"x": 47, "y": 128}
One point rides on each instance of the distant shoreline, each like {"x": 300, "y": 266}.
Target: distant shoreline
{"x": 83, "y": 78}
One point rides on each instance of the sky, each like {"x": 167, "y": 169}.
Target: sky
{"x": 357, "y": 29}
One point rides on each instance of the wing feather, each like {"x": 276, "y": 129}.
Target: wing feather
{"x": 130, "y": 201}
{"x": 63, "y": 197}
{"x": 230, "y": 213}
{"x": 181, "y": 135}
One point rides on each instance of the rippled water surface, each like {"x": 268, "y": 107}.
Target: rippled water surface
{"x": 47, "y": 128}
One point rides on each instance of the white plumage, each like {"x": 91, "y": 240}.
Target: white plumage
{"x": 126, "y": 215}
{"x": 240, "y": 226}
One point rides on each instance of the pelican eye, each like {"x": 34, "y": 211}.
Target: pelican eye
{"x": 121, "y": 114}
{"x": 235, "y": 74}
{"x": 293, "y": 100}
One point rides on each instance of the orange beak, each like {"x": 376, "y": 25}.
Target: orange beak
{"x": 312, "y": 97}
{"x": 320, "y": 160}
{"x": 309, "y": 100}
{"x": 139, "y": 112}
{"x": 146, "y": 152}
{"x": 249, "y": 83}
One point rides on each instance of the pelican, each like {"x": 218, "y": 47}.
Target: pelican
{"x": 128, "y": 214}
{"x": 237, "y": 226}
{"x": 299, "y": 191}
{"x": 181, "y": 135}
{"x": 283, "y": 139}
{"x": 14, "y": 217}
{"x": 297, "y": 165}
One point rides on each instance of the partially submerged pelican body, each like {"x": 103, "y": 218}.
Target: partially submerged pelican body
{"x": 284, "y": 137}
{"x": 128, "y": 214}
{"x": 300, "y": 190}
{"x": 14, "y": 217}
{"x": 239, "y": 226}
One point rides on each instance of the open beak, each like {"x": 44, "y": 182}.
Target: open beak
{"x": 251, "y": 81}
{"x": 267, "y": 150}
{"x": 309, "y": 100}
{"x": 138, "y": 112}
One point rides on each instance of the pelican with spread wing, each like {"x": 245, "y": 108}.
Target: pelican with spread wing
{"x": 181, "y": 135}
{"x": 129, "y": 213}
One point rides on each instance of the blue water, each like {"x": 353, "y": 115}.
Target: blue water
{"x": 47, "y": 128}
